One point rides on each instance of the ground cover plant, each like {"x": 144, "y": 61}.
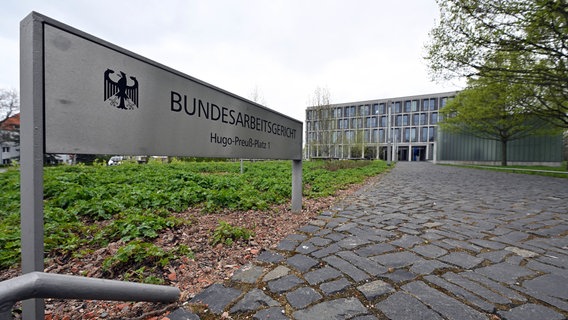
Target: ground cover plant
{"x": 86, "y": 208}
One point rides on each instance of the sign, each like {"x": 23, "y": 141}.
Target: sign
{"x": 102, "y": 99}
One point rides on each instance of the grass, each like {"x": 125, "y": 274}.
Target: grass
{"x": 558, "y": 172}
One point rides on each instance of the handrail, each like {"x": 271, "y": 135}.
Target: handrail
{"x": 49, "y": 285}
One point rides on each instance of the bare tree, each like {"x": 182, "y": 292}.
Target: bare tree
{"x": 256, "y": 96}
{"x": 323, "y": 121}
{"x": 9, "y": 106}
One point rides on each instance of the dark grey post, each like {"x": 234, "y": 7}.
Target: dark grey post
{"x": 31, "y": 155}
{"x": 296, "y": 186}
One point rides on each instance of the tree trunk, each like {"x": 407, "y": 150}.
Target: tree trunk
{"x": 504, "y": 153}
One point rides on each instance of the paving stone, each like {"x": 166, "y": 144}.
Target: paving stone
{"x": 374, "y": 289}
{"x": 494, "y": 286}
{"x": 494, "y": 256}
{"x": 367, "y": 265}
{"x": 344, "y": 308}
{"x": 287, "y": 245}
{"x": 351, "y": 242}
{"x": 428, "y": 266}
{"x": 284, "y": 284}
{"x": 321, "y": 275}
{"x": 252, "y": 301}
{"x": 335, "y": 236}
{"x": 462, "y": 259}
{"x": 448, "y": 307}
{"x": 522, "y": 252}
{"x": 400, "y": 275}
{"x": 475, "y": 288}
{"x": 302, "y": 297}
{"x": 367, "y": 317}
{"x": 306, "y": 247}
{"x": 309, "y": 228}
{"x": 274, "y": 313}
{"x": 301, "y": 262}
{"x": 320, "y": 242}
{"x": 407, "y": 241}
{"x": 401, "y": 305}
{"x": 461, "y": 292}
{"x": 530, "y": 312}
{"x": 347, "y": 268}
{"x": 326, "y": 251}
{"x": 549, "y": 284}
{"x": 430, "y": 251}
{"x": 488, "y": 244}
{"x": 217, "y": 297}
{"x": 248, "y": 274}
{"x": 375, "y": 249}
{"x": 397, "y": 259}
{"x": 334, "y": 286}
{"x": 270, "y": 257}
{"x": 276, "y": 273}
{"x": 181, "y": 314}
{"x": 504, "y": 272}
{"x": 463, "y": 245}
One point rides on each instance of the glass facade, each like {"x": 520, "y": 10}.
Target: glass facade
{"x": 361, "y": 129}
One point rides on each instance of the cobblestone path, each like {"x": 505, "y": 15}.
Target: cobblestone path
{"x": 422, "y": 242}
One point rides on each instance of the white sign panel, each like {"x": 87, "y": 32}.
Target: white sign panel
{"x": 101, "y": 99}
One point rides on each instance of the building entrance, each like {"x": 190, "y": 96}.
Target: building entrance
{"x": 418, "y": 153}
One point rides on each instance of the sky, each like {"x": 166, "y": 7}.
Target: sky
{"x": 281, "y": 49}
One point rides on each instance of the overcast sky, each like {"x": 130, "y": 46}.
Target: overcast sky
{"x": 284, "y": 49}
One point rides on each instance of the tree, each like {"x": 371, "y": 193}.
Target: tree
{"x": 535, "y": 32}
{"x": 490, "y": 109}
{"x": 9, "y": 106}
{"x": 323, "y": 121}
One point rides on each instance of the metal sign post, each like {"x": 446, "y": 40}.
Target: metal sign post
{"x": 81, "y": 94}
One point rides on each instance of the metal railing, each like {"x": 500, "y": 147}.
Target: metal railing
{"x": 49, "y": 285}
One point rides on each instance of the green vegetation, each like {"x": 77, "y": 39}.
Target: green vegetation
{"x": 558, "y": 172}
{"x": 88, "y": 207}
{"x": 226, "y": 234}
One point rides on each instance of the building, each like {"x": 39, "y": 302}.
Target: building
{"x": 363, "y": 130}
{"x": 9, "y": 139}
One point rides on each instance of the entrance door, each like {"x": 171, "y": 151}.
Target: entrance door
{"x": 419, "y": 153}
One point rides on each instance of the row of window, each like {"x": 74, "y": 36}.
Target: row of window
{"x": 373, "y": 122}
{"x": 400, "y": 135}
{"x": 376, "y": 109}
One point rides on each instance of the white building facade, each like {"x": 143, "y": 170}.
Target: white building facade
{"x": 404, "y": 127}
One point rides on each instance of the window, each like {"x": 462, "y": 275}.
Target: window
{"x": 375, "y": 109}
{"x": 352, "y": 111}
{"x": 364, "y": 110}
{"x": 397, "y": 107}
{"x": 425, "y": 105}
{"x": 423, "y": 118}
{"x": 413, "y": 135}
{"x": 367, "y": 136}
{"x": 443, "y": 102}
{"x": 433, "y": 118}
{"x": 415, "y": 105}
{"x": 398, "y": 121}
{"x": 381, "y": 135}
{"x": 374, "y": 135}
{"x": 334, "y": 136}
{"x": 433, "y": 104}
{"x": 396, "y": 136}
{"x": 431, "y": 133}
{"x": 383, "y": 121}
{"x": 406, "y": 136}
{"x": 346, "y": 112}
{"x": 369, "y": 122}
{"x": 5, "y": 149}
{"x": 349, "y": 135}
{"x": 382, "y": 109}
{"x": 424, "y": 134}
{"x": 415, "y": 119}
{"x": 407, "y": 107}
{"x": 405, "y": 120}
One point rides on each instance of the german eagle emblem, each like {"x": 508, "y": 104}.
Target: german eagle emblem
{"x": 120, "y": 94}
